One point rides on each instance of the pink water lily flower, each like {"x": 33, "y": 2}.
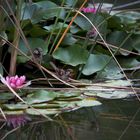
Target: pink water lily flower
{"x": 15, "y": 82}
{"x": 89, "y": 10}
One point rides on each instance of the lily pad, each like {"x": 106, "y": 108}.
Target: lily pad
{"x": 114, "y": 94}
{"x": 42, "y": 111}
{"x": 46, "y": 105}
{"x": 17, "y": 112}
{"x": 6, "y": 96}
{"x": 15, "y": 106}
{"x": 72, "y": 55}
{"x": 95, "y": 63}
{"x": 87, "y": 102}
{"x": 34, "y": 43}
{"x": 119, "y": 83}
{"x": 40, "y": 96}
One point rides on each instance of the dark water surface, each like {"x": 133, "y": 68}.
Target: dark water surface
{"x": 114, "y": 120}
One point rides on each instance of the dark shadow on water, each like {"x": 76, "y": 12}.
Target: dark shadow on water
{"x": 105, "y": 122}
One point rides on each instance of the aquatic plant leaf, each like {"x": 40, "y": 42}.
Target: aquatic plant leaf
{"x": 136, "y": 42}
{"x": 34, "y": 43}
{"x": 111, "y": 71}
{"x": 69, "y": 99}
{"x": 114, "y": 94}
{"x": 22, "y": 59}
{"x": 69, "y": 40}
{"x": 129, "y": 63}
{"x": 74, "y": 29}
{"x": 37, "y": 31}
{"x": 70, "y": 2}
{"x": 66, "y": 104}
{"x": 119, "y": 83}
{"x": 41, "y": 10}
{"x": 42, "y": 111}
{"x": 73, "y": 55}
{"x": 110, "y": 83}
{"x": 46, "y": 105}
{"x": 87, "y": 102}
{"x": 95, "y": 63}
{"x": 6, "y": 96}
{"x": 13, "y": 112}
{"x": 68, "y": 94}
{"x": 95, "y": 19}
{"x": 40, "y": 96}
{"x": 90, "y": 93}
{"x": 117, "y": 37}
{"x": 129, "y": 17}
{"x": 56, "y": 28}
{"x": 15, "y": 106}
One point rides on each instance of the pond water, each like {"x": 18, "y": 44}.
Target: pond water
{"x": 114, "y": 120}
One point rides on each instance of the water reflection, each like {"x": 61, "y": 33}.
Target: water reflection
{"x": 106, "y": 122}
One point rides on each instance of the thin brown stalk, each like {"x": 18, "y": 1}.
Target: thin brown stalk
{"x": 13, "y": 60}
{"x": 66, "y": 30}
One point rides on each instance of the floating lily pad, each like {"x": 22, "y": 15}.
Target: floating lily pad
{"x": 17, "y": 112}
{"x": 46, "y": 105}
{"x": 6, "y": 96}
{"x": 114, "y": 94}
{"x": 68, "y": 94}
{"x": 42, "y": 111}
{"x": 40, "y": 96}
{"x": 15, "y": 106}
{"x": 117, "y": 83}
{"x": 87, "y": 102}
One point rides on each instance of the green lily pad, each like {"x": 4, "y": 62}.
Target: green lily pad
{"x": 40, "y": 96}
{"x": 15, "y": 106}
{"x": 17, "y": 112}
{"x": 119, "y": 83}
{"x": 34, "y": 43}
{"x": 56, "y": 28}
{"x": 42, "y": 111}
{"x": 6, "y": 96}
{"x": 114, "y": 94}
{"x": 95, "y": 63}
{"x": 46, "y": 105}
{"x": 87, "y": 102}
{"x": 72, "y": 55}
{"x": 69, "y": 94}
